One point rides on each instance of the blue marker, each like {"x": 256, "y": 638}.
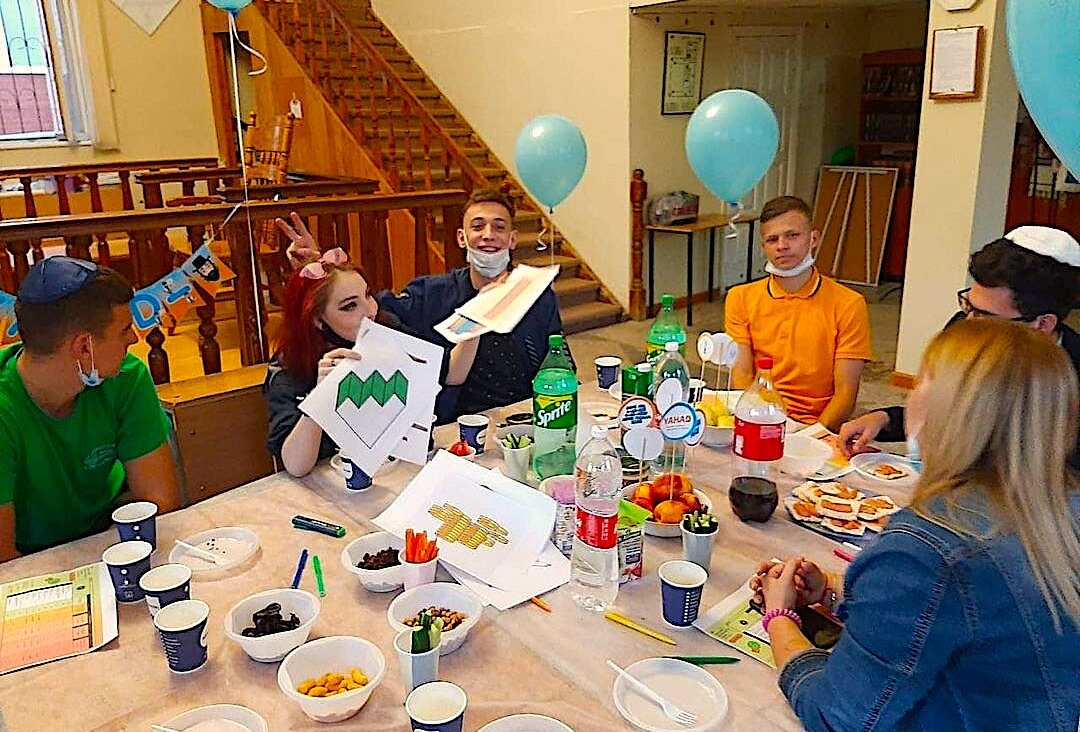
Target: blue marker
{"x": 299, "y": 569}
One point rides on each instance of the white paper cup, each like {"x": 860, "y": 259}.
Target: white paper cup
{"x": 416, "y": 668}
{"x": 415, "y": 574}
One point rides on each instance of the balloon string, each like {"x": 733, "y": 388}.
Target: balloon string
{"x": 249, "y": 49}
{"x": 732, "y": 218}
{"x": 233, "y": 37}
{"x": 540, "y": 245}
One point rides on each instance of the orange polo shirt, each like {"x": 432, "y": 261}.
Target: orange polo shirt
{"x": 804, "y": 332}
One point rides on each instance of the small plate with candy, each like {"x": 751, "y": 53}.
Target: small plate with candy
{"x": 272, "y": 623}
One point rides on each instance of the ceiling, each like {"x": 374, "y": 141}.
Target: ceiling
{"x": 713, "y": 6}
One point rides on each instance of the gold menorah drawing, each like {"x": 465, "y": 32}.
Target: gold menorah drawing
{"x": 459, "y": 528}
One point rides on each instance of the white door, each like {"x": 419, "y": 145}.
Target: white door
{"x": 768, "y": 62}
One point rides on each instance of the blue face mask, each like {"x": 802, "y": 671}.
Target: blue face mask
{"x": 93, "y": 378}
{"x": 914, "y": 454}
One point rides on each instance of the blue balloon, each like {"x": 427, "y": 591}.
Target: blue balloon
{"x": 550, "y": 157}
{"x": 1044, "y": 43}
{"x": 233, "y": 6}
{"x": 731, "y": 140}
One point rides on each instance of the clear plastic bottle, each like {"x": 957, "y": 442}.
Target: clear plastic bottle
{"x": 594, "y": 559}
{"x": 759, "y": 426}
{"x": 671, "y": 383}
{"x": 555, "y": 413}
{"x": 666, "y": 327}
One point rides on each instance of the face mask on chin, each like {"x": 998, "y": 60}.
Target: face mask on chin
{"x": 333, "y": 338}
{"x": 795, "y": 271}
{"x": 489, "y": 264}
{"x": 93, "y": 377}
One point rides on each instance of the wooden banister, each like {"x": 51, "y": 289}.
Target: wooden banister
{"x": 639, "y": 191}
{"x": 49, "y": 171}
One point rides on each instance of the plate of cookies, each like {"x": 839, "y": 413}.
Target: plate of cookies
{"x": 839, "y": 511}
{"x": 887, "y": 468}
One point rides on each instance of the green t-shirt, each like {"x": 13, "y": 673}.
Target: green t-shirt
{"x": 63, "y": 474}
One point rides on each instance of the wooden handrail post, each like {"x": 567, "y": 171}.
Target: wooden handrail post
{"x": 453, "y": 255}
{"x": 157, "y": 359}
{"x": 209, "y": 349}
{"x": 247, "y": 291}
{"x": 639, "y": 191}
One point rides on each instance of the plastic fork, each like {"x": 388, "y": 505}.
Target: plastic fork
{"x": 670, "y": 710}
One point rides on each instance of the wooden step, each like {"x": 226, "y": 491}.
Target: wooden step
{"x": 568, "y": 266}
{"x": 363, "y": 104}
{"x": 572, "y": 291}
{"x": 589, "y": 315}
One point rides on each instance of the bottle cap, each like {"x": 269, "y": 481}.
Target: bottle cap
{"x": 599, "y": 431}
{"x": 555, "y": 340}
{"x": 667, "y": 301}
{"x": 671, "y": 346}
{"x": 764, "y": 362}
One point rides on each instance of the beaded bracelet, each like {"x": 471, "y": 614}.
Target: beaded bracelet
{"x": 778, "y": 612}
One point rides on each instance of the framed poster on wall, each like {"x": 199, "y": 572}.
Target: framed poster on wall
{"x": 684, "y": 59}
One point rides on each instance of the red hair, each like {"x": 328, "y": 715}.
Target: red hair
{"x": 300, "y": 344}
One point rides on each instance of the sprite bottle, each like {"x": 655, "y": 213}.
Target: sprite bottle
{"x": 665, "y": 328}
{"x": 555, "y": 412}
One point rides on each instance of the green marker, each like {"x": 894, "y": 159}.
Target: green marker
{"x": 317, "y": 566}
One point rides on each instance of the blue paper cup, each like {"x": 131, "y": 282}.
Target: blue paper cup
{"x": 438, "y": 706}
{"x": 607, "y": 370}
{"x": 681, "y": 583}
{"x": 355, "y": 478}
{"x": 165, "y": 585}
{"x": 473, "y": 429}
{"x": 182, "y": 627}
{"x": 137, "y": 522}
{"x": 128, "y": 561}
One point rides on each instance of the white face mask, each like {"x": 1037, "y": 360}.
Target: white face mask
{"x": 489, "y": 264}
{"x": 914, "y": 454}
{"x": 795, "y": 271}
{"x": 94, "y": 377}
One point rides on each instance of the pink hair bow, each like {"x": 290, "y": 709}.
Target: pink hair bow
{"x": 317, "y": 270}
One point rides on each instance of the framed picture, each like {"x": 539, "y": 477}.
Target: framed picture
{"x": 956, "y": 63}
{"x": 684, "y": 59}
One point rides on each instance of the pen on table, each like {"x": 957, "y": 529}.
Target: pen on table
{"x": 317, "y": 566}
{"x": 622, "y": 620}
{"x": 540, "y": 604}
{"x": 853, "y": 547}
{"x": 323, "y": 527}
{"x": 706, "y": 660}
{"x": 299, "y": 569}
{"x": 844, "y": 554}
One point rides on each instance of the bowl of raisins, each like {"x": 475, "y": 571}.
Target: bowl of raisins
{"x": 375, "y": 560}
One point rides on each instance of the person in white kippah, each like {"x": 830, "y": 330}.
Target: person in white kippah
{"x": 1031, "y": 276}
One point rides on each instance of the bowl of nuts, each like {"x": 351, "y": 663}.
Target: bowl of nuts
{"x": 270, "y": 624}
{"x": 459, "y": 609}
{"x": 332, "y": 678}
{"x": 374, "y": 559}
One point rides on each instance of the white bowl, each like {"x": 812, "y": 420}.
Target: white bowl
{"x": 243, "y": 716}
{"x": 525, "y": 723}
{"x": 236, "y": 547}
{"x": 803, "y": 456}
{"x": 272, "y": 647}
{"x": 503, "y": 430}
{"x": 376, "y": 580}
{"x": 449, "y": 595}
{"x": 667, "y": 531}
{"x": 336, "y": 653}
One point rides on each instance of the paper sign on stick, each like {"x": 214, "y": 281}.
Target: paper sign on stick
{"x": 644, "y": 443}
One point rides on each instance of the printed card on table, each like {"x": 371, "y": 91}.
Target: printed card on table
{"x": 733, "y": 622}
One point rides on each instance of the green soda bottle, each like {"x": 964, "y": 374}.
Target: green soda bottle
{"x": 665, "y": 328}
{"x": 555, "y": 391}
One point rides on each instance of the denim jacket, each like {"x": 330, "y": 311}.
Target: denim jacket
{"x": 945, "y": 630}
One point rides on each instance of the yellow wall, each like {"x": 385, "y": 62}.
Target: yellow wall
{"x": 502, "y": 63}
{"x": 159, "y": 95}
{"x": 961, "y": 185}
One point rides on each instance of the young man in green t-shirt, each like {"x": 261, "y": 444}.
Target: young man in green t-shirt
{"x": 80, "y": 419}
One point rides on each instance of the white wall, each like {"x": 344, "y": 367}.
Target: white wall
{"x": 502, "y": 63}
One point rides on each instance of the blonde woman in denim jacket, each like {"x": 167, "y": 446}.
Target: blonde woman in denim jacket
{"x": 965, "y": 613}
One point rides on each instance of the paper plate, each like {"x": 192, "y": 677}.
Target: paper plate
{"x": 602, "y": 413}
{"x": 223, "y": 716}
{"x": 615, "y": 391}
{"x": 525, "y": 723}
{"x": 685, "y": 685}
{"x": 870, "y": 464}
{"x": 236, "y": 546}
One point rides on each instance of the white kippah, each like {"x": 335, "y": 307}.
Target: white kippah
{"x": 1050, "y": 242}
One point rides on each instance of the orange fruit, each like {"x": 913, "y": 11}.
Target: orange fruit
{"x": 691, "y": 501}
{"x": 643, "y": 501}
{"x": 644, "y": 491}
{"x": 669, "y": 512}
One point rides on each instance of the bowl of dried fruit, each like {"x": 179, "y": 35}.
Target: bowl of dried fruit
{"x": 269, "y": 624}
{"x": 459, "y": 609}
{"x": 375, "y": 560}
{"x": 332, "y": 678}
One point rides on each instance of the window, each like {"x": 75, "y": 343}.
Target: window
{"x": 40, "y": 96}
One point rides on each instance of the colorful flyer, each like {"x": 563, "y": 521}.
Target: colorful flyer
{"x": 733, "y": 622}
{"x": 55, "y": 616}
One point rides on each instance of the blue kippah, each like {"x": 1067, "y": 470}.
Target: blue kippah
{"x": 54, "y": 278}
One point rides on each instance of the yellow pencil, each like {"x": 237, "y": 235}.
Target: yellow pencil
{"x": 622, "y": 620}
{"x": 540, "y": 604}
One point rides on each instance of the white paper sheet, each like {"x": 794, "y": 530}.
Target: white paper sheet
{"x": 383, "y": 404}
{"x": 502, "y": 307}
{"x": 502, "y": 525}
{"x": 550, "y": 570}
{"x": 147, "y": 14}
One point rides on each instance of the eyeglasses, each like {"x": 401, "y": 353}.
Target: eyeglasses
{"x": 971, "y": 311}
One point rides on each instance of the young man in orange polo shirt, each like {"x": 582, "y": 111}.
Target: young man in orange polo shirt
{"x": 816, "y": 330}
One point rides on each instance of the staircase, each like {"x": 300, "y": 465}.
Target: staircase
{"x": 416, "y": 137}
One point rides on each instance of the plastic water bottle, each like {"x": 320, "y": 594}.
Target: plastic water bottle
{"x": 671, "y": 383}
{"x": 594, "y": 559}
{"x": 555, "y": 412}
{"x": 665, "y": 328}
{"x": 759, "y": 426}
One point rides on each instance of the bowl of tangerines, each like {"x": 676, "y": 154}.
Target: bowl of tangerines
{"x": 669, "y": 497}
